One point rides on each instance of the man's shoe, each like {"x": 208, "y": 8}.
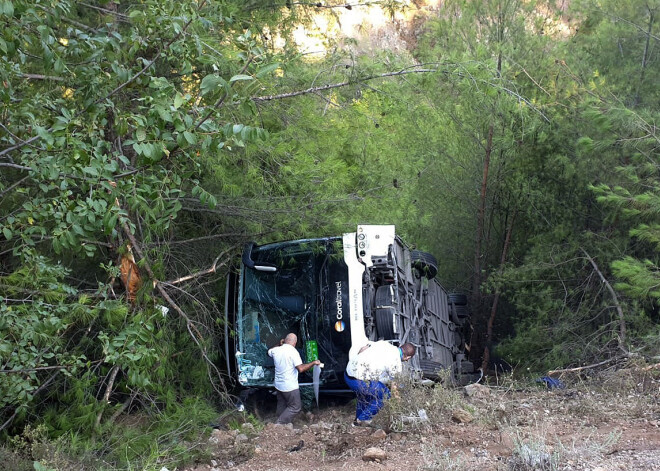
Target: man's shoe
{"x": 362, "y": 423}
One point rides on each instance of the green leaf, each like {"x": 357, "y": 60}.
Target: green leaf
{"x": 141, "y": 134}
{"x": 238, "y": 77}
{"x": 45, "y": 135}
{"x": 190, "y": 137}
{"x": 179, "y": 100}
{"x": 211, "y": 84}
{"x": 6, "y": 8}
{"x": 91, "y": 171}
{"x": 7, "y": 233}
{"x": 267, "y": 69}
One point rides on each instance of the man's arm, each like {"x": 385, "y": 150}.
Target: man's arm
{"x": 306, "y": 366}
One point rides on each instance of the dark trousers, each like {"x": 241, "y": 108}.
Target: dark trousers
{"x": 371, "y": 396}
{"x": 288, "y": 406}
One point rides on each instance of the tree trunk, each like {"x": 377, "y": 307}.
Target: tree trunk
{"x": 645, "y": 55}
{"x": 481, "y": 217}
{"x": 493, "y": 309}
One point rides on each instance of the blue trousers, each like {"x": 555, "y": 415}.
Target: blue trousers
{"x": 371, "y": 396}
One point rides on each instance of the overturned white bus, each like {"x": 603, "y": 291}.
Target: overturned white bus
{"x": 337, "y": 293}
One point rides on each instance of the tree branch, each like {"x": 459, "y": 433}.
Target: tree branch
{"x": 9, "y": 188}
{"x": 622, "y": 321}
{"x": 120, "y": 16}
{"x": 341, "y": 84}
{"x": 580, "y": 368}
{"x": 108, "y": 390}
{"x": 190, "y": 326}
{"x": 208, "y": 271}
{"x": 29, "y": 370}
{"x": 42, "y": 77}
{"x": 210, "y": 237}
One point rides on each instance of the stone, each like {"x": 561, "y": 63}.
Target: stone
{"x": 247, "y": 427}
{"x": 461, "y": 416}
{"x": 374, "y": 454}
{"x": 241, "y": 438}
{"x": 379, "y": 434}
{"x": 221, "y": 437}
{"x": 477, "y": 390}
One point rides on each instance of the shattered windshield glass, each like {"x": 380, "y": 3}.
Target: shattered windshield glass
{"x": 273, "y": 304}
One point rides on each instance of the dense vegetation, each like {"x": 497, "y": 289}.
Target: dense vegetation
{"x": 143, "y": 142}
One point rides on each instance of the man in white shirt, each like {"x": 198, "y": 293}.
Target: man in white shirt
{"x": 369, "y": 373}
{"x": 287, "y": 366}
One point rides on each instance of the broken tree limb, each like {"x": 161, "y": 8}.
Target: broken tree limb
{"x": 208, "y": 271}
{"x": 194, "y": 332}
{"x": 615, "y": 299}
{"x": 108, "y": 390}
{"x": 580, "y": 368}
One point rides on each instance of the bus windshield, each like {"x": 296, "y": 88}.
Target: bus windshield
{"x": 273, "y": 304}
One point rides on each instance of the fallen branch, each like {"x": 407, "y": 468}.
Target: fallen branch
{"x": 190, "y": 326}
{"x": 580, "y": 368}
{"x": 619, "y": 310}
{"x": 108, "y": 390}
{"x": 208, "y": 271}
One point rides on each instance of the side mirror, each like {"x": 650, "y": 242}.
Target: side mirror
{"x": 248, "y": 262}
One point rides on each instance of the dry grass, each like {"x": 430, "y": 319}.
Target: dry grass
{"x": 419, "y": 406}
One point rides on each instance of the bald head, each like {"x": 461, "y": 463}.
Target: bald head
{"x": 408, "y": 350}
{"x": 291, "y": 339}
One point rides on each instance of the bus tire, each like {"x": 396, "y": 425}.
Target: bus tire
{"x": 425, "y": 263}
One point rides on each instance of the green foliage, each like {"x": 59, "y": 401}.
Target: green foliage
{"x": 108, "y": 115}
{"x": 34, "y": 330}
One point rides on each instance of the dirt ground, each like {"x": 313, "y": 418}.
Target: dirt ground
{"x": 609, "y": 424}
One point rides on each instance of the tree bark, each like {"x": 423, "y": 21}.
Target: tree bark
{"x": 481, "y": 217}
{"x": 645, "y": 55}
{"x": 493, "y": 309}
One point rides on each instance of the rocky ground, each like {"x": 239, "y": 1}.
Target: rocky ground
{"x": 608, "y": 423}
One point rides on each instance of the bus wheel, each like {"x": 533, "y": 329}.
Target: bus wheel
{"x": 385, "y": 313}
{"x": 425, "y": 263}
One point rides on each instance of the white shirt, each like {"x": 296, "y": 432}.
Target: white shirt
{"x": 286, "y": 358}
{"x": 380, "y": 362}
